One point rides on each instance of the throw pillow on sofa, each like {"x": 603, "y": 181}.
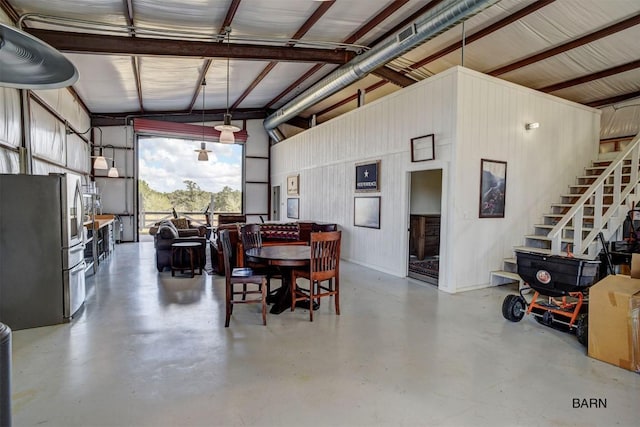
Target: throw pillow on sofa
{"x": 180, "y": 223}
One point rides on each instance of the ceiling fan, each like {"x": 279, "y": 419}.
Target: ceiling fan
{"x": 29, "y": 63}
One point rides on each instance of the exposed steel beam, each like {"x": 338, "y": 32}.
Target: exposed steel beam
{"x": 613, "y": 99}
{"x": 315, "y": 17}
{"x": 79, "y": 100}
{"x": 270, "y": 66}
{"x": 231, "y": 13}
{"x": 117, "y": 119}
{"x": 351, "y": 98}
{"x": 424, "y": 9}
{"x": 116, "y": 45}
{"x": 377, "y": 20}
{"x": 9, "y": 11}
{"x": 516, "y": 16}
{"x": 295, "y": 84}
{"x": 393, "y": 76}
{"x": 135, "y": 64}
{"x": 593, "y": 76}
{"x": 385, "y": 13}
{"x": 136, "y": 72}
{"x": 572, "y": 44}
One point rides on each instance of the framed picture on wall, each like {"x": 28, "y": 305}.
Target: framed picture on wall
{"x": 422, "y": 148}
{"x": 293, "y": 182}
{"x": 367, "y": 175}
{"x": 366, "y": 212}
{"x": 293, "y": 208}
{"x": 493, "y": 188}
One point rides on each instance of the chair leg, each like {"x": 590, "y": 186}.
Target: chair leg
{"x": 244, "y": 291}
{"x": 263, "y": 287}
{"x": 337, "y": 298}
{"x": 312, "y": 285}
{"x": 228, "y": 306}
{"x": 293, "y": 292}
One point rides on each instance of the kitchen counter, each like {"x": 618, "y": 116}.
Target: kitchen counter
{"x": 99, "y": 221}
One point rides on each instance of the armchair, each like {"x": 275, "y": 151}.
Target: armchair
{"x": 166, "y": 233}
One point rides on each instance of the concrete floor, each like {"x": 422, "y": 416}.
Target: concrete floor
{"x": 152, "y": 350}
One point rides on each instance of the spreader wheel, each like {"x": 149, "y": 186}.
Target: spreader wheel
{"x": 513, "y": 308}
{"x": 582, "y": 329}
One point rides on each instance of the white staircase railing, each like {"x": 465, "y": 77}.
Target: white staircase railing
{"x": 595, "y": 194}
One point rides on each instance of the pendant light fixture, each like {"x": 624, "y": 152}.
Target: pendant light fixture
{"x": 100, "y": 161}
{"x": 113, "y": 171}
{"x": 227, "y": 129}
{"x": 202, "y": 152}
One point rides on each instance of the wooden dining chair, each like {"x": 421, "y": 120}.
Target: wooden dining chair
{"x": 324, "y": 265}
{"x": 244, "y": 277}
{"x": 321, "y": 228}
{"x": 252, "y": 238}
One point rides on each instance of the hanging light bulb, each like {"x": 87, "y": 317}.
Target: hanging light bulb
{"x": 202, "y": 152}
{"x": 113, "y": 172}
{"x": 227, "y": 129}
{"x": 100, "y": 162}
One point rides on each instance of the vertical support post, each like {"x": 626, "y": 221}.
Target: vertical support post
{"x": 361, "y": 95}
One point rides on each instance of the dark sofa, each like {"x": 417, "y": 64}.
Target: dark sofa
{"x": 165, "y": 233}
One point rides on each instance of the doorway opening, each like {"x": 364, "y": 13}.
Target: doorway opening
{"x": 424, "y": 225}
{"x": 173, "y": 182}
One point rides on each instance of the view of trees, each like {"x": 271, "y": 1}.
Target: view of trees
{"x": 193, "y": 199}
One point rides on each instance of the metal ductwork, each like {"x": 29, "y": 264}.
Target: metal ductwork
{"x": 440, "y": 19}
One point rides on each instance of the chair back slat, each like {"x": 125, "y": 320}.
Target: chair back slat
{"x": 325, "y": 254}
{"x": 251, "y": 236}
{"x": 226, "y": 253}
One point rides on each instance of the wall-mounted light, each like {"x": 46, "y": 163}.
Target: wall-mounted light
{"x": 100, "y": 161}
{"x": 530, "y": 126}
{"x": 113, "y": 172}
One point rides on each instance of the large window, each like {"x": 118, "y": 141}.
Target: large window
{"x": 171, "y": 177}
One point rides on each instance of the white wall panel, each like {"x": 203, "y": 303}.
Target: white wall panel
{"x": 256, "y": 170}
{"x": 256, "y": 196}
{"x": 10, "y": 118}
{"x": 541, "y": 163}
{"x": 472, "y": 116}
{"x": 65, "y": 104}
{"x": 78, "y": 154}
{"x": 47, "y": 135}
{"x": 257, "y": 144}
{"x": 325, "y": 158}
{"x": 9, "y": 161}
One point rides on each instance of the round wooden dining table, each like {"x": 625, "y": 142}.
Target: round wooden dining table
{"x": 285, "y": 258}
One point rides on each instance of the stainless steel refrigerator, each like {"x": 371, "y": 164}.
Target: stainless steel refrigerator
{"x": 41, "y": 249}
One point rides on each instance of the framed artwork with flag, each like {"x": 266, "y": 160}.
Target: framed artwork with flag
{"x": 367, "y": 176}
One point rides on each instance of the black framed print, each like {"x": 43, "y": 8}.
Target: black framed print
{"x": 493, "y": 188}
{"x": 367, "y": 175}
{"x": 293, "y": 208}
{"x": 423, "y": 148}
{"x": 366, "y": 212}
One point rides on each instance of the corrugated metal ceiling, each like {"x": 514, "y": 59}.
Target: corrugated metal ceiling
{"x": 123, "y": 83}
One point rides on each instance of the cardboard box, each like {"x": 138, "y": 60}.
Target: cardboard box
{"x": 613, "y": 338}
{"x": 635, "y": 332}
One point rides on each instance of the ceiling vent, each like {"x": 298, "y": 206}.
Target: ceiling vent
{"x": 408, "y": 32}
